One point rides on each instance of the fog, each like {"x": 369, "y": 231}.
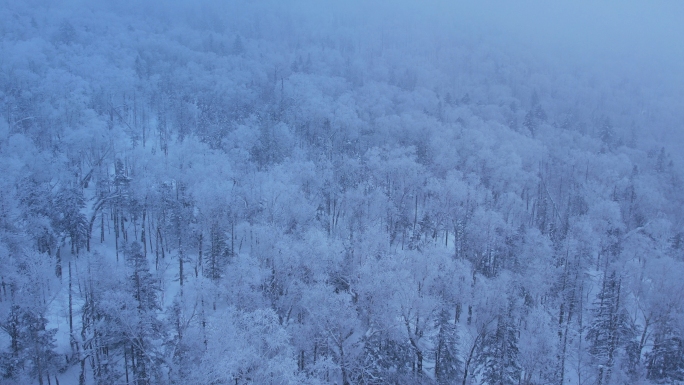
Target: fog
{"x": 634, "y": 39}
{"x": 641, "y": 30}
{"x": 587, "y": 27}
{"x": 611, "y": 42}
{"x": 361, "y": 192}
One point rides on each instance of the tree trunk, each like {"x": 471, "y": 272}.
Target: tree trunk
{"x": 438, "y": 356}
{"x": 126, "y": 363}
{"x": 419, "y": 357}
{"x": 134, "y": 366}
{"x": 642, "y": 341}
{"x": 345, "y": 381}
{"x": 199, "y": 264}
{"x": 142, "y": 234}
{"x": 81, "y": 376}
{"x": 39, "y": 367}
{"x": 58, "y": 264}
{"x": 116, "y": 235}
{"x": 124, "y": 232}
{"x": 72, "y": 338}
{"x": 180, "y": 264}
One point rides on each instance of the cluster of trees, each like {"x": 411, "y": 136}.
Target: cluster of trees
{"x": 255, "y": 195}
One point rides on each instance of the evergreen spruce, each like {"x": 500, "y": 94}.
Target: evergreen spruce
{"x": 498, "y": 360}
{"x": 610, "y": 329}
{"x": 448, "y": 364}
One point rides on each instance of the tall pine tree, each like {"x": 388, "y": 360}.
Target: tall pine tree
{"x": 498, "y": 359}
{"x": 610, "y": 329}
{"x": 447, "y": 361}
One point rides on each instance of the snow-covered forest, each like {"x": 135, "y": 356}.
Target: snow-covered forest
{"x": 359, "y": 192}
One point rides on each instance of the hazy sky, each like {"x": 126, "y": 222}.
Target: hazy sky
{"x": 641, "y": 39}
{"x": 644, "y": 33}
{"x": 647, "y": 28}
{"x": 641, "y": 28}
{"x": 652, "y": 31}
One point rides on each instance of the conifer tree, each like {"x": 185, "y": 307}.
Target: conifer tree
{"x": 447, "y": 360}
{"x": 610, "y": 329}
{"x": 146, "y": 330}
{"x": 665, "y": 363}
{"x": 498, "y": 359}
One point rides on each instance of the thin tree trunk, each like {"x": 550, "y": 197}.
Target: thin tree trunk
{"x": 343, "y": 365}
{"x": 81, "y": 376}
{"x": 58, "y": 264}
{"x": 124, "y": 233}
{"x": 72, "y": 339}
{"x": 144, "y": 123}
{"x": 415, "y": 214}
{"x": 142, "y": 234}
{"x": 468, "y": 360}
{"x": 180, "y": 263}
{"x": 204, "y": 325}
{"x": 199, "y": 264}
{"x": 126, "y": 363}
{"x": 116, "y": 234}
{"x": 39, "y": 368}
{"x": 134, "y": 366}
{"x": 149, "y": 231}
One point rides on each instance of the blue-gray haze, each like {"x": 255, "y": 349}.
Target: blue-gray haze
{"x": 358, "y": 192}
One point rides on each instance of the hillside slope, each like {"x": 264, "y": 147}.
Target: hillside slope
{"x": 296, "y": 192}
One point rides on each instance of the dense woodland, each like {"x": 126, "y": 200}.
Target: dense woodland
{"x": 291, "y": 193}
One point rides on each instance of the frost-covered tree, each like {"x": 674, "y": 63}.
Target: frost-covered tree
{"x": 447, "y": 359}
{"x": 309, "y": 192}
{"x": 498, "y": 361}
{"x": 610, "y": 329}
